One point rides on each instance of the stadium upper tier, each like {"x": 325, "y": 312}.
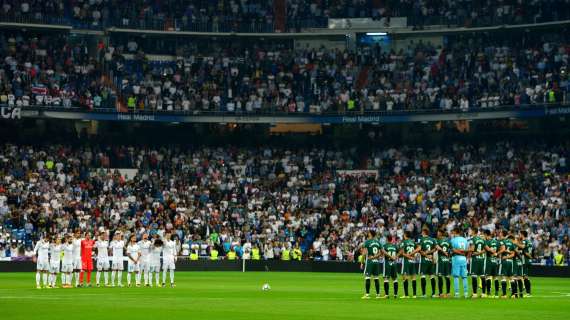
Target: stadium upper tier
{"x": 467, "y": 73}
{"x": 275, "y": 15}
{"x": 276, "y": 198}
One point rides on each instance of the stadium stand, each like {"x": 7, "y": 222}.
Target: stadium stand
{"x": 278, "y": 198}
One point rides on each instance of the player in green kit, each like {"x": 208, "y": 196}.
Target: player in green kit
{"x": 492, "y": 247}
{"x": 508, "y": 253}
{"x": 518, "y": 266}
{"x": 443, "y": 268}
{"x": 477, "y": 262}
{"x": 390, "y": 252}
{"x": 527, "y": 257}
{"x": 428, "y": 246}
{"x": 372, "y": 251}
{"x": 408, "y": 251}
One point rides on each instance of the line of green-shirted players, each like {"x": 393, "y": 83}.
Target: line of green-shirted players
{"x": 505, "y": 259}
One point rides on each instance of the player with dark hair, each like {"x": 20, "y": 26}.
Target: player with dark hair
{"x": 390, "y": 272}
{"x": 408, "y": 251}
{"x": 428, "y": 246}
{"x": 527, "y": 252}
{"x": 87, "y": 245}
{"x": 372, "y": 251}
{"x": 492, "y": 247}
{"x": 477, "y": 262}
{"x": 443, "y": 268}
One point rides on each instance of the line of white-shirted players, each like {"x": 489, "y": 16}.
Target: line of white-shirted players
{"x": 73, "y": 257}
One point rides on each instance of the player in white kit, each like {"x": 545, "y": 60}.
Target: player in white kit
{"x": 77, "y": 256}
{"x": 133, "y": 265}
{"x": 41, "y": 251}
{"x": 154, "y": 261}
{"x": 67, "y": 262}
{"x": 145, "y": 246}
{"x": 54, "y": 262}
{"x": 103, "y": 264}
{"x": 117, "y": 248}
{"x": 169, "y": 256}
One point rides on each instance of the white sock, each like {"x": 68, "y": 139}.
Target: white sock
{"x": 164, "y": 276}
{"x": 120, "y": 277}
{"x": 69, "y": 279}
{"x": 44, "y": 279}
{"x": 113, "y": 273}
{"x": 138, "y": 278}
{"x": 157, "y": 275}
{"x": 76, "y": 278}
{"x": 171, "y": 276}
{"x": 98, "y": 277}
{"x": 38, "y": 279}
{"x": 106, "y": 276}
{"x": 146, "y": 278}
{"x": 149, "y": 278}
{"x": 129, "y": 278}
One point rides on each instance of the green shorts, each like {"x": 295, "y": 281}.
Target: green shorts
{"x": 390, "y": 270}
{"x": 427, "y": 268}
{"x": 525, "y": 269}
{"x": 409, "y": 268}
{"x": 507, "y": 268}
{"x": 372, "y": 269}
{"x": 443, "y": 268}
{"x": 518, "y": 268}
{"x": 477, "y": 267}
{"x": 491, "y": 268}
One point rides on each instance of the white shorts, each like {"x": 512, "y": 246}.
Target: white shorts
{"x": 77, "y": 264}
{"x": 133, "y": 267}
{"x": 154, "y": 266}
{"x": 54, "y": 266}
{"x": 42, "y": 265}
{"x": 67, "y": 267}
{"x": 117, "y": 265}
{"x": 103, "y": 264}
{"x": 168, "y": 264}
{"x": 144, "y": 265}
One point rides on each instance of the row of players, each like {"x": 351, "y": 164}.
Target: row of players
{"x": 73, "y": 256}
{"x": 505, "y": 258}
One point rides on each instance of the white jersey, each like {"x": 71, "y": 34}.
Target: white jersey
{"x": 77, "y": 249}
{"x": 102, "y": 249}
{"x": 67, "y": 253}
{"x": 117, "y": 247}
{"x": 169, "y": 250}
{"x": 155, "y": 254}
{"x": 133, "y": 251}
{"x": 42, "y": 250}
{"x": 145, "y": 246}
{"x": 55, "y": 253}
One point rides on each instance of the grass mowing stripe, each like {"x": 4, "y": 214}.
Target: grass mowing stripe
{"x": 236, "y": 295}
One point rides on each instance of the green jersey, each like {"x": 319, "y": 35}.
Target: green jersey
{"x": 408, "y": 246}
{"x": 372, "y": 247}
{"x": 427, "y": 243}
{"x": 478, "y": 245}
{"x": 510, "y": 247}
{"x": 445, "y": 246}
{"x": 392, "y": 251}
{"x": 494, "y": 245}
{"x": 527, "y": 251}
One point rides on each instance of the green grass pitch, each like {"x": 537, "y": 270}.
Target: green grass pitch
{"x": 232, "y": 295}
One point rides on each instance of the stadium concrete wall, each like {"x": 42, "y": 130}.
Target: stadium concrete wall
{"x": 276, "y": 265}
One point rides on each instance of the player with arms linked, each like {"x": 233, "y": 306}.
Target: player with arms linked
{"x": 372, "y": 251}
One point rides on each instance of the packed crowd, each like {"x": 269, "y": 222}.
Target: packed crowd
{"x": 280, "y": 200}
{"x": 50, "y": 71}
{"x": 269, "y": 15}
{"x": 466, "y": 73}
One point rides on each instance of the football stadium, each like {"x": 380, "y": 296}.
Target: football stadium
{"x": 284, "y": 159}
